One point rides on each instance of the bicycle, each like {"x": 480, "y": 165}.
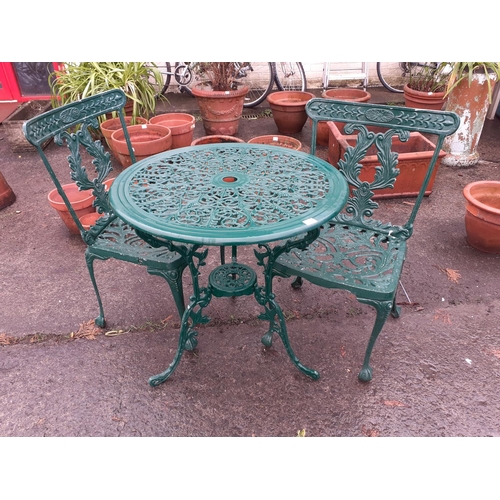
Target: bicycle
{"x": 406, "y": 69}
{"x": 290, "y": 76}
{"x": 260, "y": 77}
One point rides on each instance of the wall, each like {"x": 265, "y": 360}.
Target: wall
{"x": 314, "y": 73}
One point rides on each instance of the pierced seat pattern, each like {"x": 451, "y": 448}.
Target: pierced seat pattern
{"x": 355, "y": 251}
{"x": 357, "y": 258}
{"x": 109, "y": 237}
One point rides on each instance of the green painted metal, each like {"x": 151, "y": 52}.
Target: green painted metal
{"x": 229, "y": 195}
{"x": 355, "y": 251}
{"x": 110, "y": 237}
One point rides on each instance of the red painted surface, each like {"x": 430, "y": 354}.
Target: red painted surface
{"x": 9, "y": 85}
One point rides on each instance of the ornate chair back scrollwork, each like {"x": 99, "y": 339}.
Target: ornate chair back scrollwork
{"x": 355, "y": 251}
{"x": 109, "y": 237}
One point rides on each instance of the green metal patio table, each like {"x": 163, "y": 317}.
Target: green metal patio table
{"x": 233, "y": 194}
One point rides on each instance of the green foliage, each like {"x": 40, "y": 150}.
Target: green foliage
{"x": 221, "y": 76}
{"x": 425, "y": 78}
{"x": 79, "y": 80}
{"x": 465, "y": 71}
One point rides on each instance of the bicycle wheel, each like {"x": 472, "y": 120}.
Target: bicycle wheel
{"x": 290, "y": 76}
{"x": 394, "y": 76}
{"x": 259, "y": 77}
{"x": 166, "y": 70}
{"x": 190, "y": 78}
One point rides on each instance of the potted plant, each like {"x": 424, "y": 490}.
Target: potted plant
{"x": 220, "y": 97}
{"x": 137, "y": 79}
{"x": 426, "y": 87}
{"x": 469, "y": 91}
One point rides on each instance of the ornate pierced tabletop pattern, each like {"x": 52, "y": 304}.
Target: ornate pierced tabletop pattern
{"x": 229, "y": 193}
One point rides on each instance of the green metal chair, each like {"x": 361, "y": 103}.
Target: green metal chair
{"x": 355, "y": 251}
{"x": 110, "y": 237}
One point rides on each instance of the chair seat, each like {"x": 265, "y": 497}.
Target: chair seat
{"x": 120, "y": 241}
{"x": 367, "y": 263}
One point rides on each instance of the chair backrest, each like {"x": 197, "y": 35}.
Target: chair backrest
{"x": 380, "y": 129}
{"x": 71, "y": 124}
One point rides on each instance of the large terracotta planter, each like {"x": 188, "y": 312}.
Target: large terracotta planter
{"x": 277, "y": 140}
{"x": 482, "y": 215}
{"x": 289, "y": 110}
{"x": 181, "y": 125}
{"x": 471, "y": 105}
{"x": 7, "y": 196}
{"x": 215, "y": 139}
{"x": 113, "y": 124}
{"x": 147, "y": 140}
{"x": 81, "y": 201}
{"x": 423, "y": 100}
{"x": 220, "y": 110}
{"x": 342, "y": 94}
{"x": 413, "y": 161}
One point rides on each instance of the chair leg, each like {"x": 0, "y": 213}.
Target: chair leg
{"x": 89, "y": 258}
{"x": 297, "y": 282}
{"x": 383, "y": 309}
{"x": 174, "y": 280}
{"x": 396, "y": 310}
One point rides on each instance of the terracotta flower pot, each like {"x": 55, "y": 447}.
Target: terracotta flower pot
{"x": 423, "y": 100}
{"x": 7, "y": 196}
{"x": 220, "y": 110}
{"x": 109, "y": 126}
{"x": 289, "y": 110}
{"x": 413, "y": 161}
{"x": 147, "y": 140}
{"x": 471, "y": 105}
{"x": 90, "y": 219}
{"x": 277, "y": 140}
{"x": 215, "y": 139}
{"x": 342, "y": 94}
{"x": 181, "y": 125}
{"x": 81, "y": 201}
{"x": 482, "y": 215}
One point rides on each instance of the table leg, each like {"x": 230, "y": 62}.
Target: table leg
{"x": 193, "y": 314}
{"x": 265, "y": 296}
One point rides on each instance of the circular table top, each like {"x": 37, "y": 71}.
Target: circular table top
{"x": 228, "y": 194}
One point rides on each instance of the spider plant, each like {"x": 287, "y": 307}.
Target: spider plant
{"x": 79, "y": 80}
{"x": 461, "y": 71}
{"x": 428, "y": 78}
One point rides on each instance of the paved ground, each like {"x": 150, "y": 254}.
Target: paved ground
{"x": 436, "y": 369}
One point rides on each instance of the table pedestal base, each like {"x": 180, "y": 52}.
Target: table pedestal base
{"x": 230, "y": 280}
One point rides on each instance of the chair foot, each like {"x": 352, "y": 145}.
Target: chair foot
{"x": 396, "y": 310}
{"x": 100, "y": 322}
{"x": 365, "y": 375}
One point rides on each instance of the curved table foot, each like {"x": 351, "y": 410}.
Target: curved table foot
{"x": 280, "y": 328}
{"x": 187, "y": 342}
